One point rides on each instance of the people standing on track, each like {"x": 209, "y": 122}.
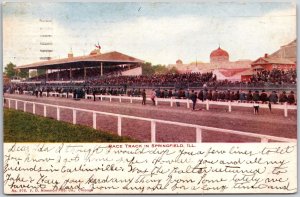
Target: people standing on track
{"x": 36, "y": 91}
{"x": 256, "y": 107}
{"x": 144, "y": 97}
{"x": 153, "y": 95}
{"x": 41, "y": 92}
{"x": 94, "y": 94}
{"x": 193, "y": 97}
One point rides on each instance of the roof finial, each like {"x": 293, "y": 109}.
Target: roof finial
{"x": 219, "y": 45}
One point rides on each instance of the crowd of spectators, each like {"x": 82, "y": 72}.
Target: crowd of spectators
{"x": 275, "y": 76}
{"x": 156, "y": 79}
{"x": 203, "y": 94}
{"x": 113, "y": 77}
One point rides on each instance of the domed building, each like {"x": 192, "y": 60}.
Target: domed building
{"x": 219, "y": 56}
{"x": 179, "y": 61}
{"x": 219, "y": 62}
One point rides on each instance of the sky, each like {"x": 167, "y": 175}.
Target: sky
{"x": 159, "y": 33}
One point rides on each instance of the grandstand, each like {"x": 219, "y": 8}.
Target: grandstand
{"x": 81, "y": 68}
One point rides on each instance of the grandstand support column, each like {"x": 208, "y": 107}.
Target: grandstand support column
{"x": 70, "y": 73}
{"x": 58, "y": 74}
{"x": 101, "y": 68}
{"x": 46, "y": 74}
{"x": 84, "y": 74}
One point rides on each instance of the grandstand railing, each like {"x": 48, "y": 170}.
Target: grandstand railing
{"x": 198, "y": 128}
{"x": 285, "y": 107}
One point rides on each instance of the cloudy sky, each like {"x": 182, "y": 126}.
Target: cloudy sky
{"x": 159, "y": 33}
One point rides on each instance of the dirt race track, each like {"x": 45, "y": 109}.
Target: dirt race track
{"x": 241, "y": 119}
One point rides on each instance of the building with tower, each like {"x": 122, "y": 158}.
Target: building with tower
{"x": 219, "y": 59}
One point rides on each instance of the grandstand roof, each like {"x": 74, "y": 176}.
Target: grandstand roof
{"x": 108, "y": 59}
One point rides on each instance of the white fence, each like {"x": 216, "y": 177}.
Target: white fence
{"x": 198, "y": 128}
{"x": 285, "y": 107}
{"x": 45, "y": 93}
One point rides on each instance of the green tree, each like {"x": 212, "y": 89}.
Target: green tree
{"x": 147, "y": 69}
{"x": 23, "y": 73}
{"x": 160, "y": 69}
{"x": 33, "y": 73}
{"x": 10, "y": 70}
{"x": 173, "y": 70}
{"x": 41, "y": 71}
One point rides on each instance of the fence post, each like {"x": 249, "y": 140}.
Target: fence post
{"x": 264, "y": 140}
{"x": 101, "y": 97}
{"x": 285, "y": 110}
{"x": 171, "y": 102}
{"x": 58, "y": 113}
{"x": 119, "y": 125}
{"x": 25, "y": 106}
{"x": 207, "y": 104}
{"x": 9, "y": 103}
{"x": 33, "y": 108}
{"x": 45, "y": 111}
{"x": 153, "y": 131}
{"x": 198, "y": 135}
{"x": 188, "y": 103}
{"x": 110, "y": 98}
{"x": 120, "y": 99}
{"x": 16, "y": 103}
{"x": 229, "y": 106}
{"x": 74, "y": 116}
{"x": 130, "y": 98}
{"x": 94, "y": 120}
{"x": 156, "y": 102}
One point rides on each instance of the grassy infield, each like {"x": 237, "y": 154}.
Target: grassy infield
{"x": 25, "y": 127}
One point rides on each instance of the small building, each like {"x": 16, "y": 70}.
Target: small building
{"x": 270, "y": 63}
{"x": 284, "y": 58}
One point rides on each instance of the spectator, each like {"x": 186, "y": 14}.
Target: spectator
{"x": 291, "y": 98}
{"x": 256, "y": 107}
{"x": 249, "y": 96}
{"x": 264, "y": 97}
{"x": 256, "y": 96}
{"x": 283, "y": 98}
{"x": 144, "y": 97}
{"x": 273, "y": 98}
{"x": 153, "y": 95}
{"x": 193, "y": 97}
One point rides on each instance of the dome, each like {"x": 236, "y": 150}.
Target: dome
{"x": 179, "y": 61}
{"x": 219, "y": 52}
{"x": 219, "y": 55}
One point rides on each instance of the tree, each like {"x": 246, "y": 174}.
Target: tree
{"x": 41, "y": 71}
{"x": 10, "y": 70}
{"x": 147, "y": 69}
{"x": 173, "y": 70}
{"x": 160, "y": 69}
{"x": 33, "y": 73}
{"x": 23, "y": 73}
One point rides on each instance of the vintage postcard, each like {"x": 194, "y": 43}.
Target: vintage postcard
{"x": 149, "y": 98}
